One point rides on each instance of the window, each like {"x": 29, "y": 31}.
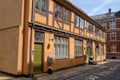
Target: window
{"x": 77, "y": 21}
{"x": 113, "y": 48}
{"x": 58, "y": 11}
{"x": 104, "y": 24}
{"x": 101, "y": 33}
{"x": 113, "y": 36}
{"x": 61, "y": 13}
{"x": 41, "y": 5}
{"x": 82, "y": 23}
{"x": 96, "y": 49}
{"x": 78, "y": 48}
{"x": 102, "y": 49}
{"x": 66, "y": 16}
{"x": 60, "y": 47}
{"x": 89, "y": 49}
{"x": 89, "y": 27}
{"x": 39, "y": 37}
{"x": 112, "y": 25}
{"x": 97, "y": 31}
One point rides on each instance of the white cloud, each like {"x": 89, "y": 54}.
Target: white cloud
{"x": 102, "y": 5}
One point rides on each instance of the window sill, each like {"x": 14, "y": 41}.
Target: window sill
{"x": 60, "y": 58}
{"x": 66, "y": 23}
{"x": 79, "y": 56}
{"x": 79, "y": 27}
{"x": 90, "y": 31}
{"x": 41, "y": 12}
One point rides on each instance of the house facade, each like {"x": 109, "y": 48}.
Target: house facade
{"x": 48, "y": 34}
{"x": 111, "y": 21}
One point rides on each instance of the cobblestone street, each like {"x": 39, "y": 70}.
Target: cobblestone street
{"x": 106, "y": 70}
{"x": 109, "y": 70}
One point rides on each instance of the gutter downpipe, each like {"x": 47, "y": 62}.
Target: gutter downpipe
{"x": 31, "y": 51}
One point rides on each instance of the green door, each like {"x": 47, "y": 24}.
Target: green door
{"x": 38, "y": 57}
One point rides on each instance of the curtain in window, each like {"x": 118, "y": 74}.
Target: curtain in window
{"x": 60, "y": 47}
{"x": 78, "y": 48}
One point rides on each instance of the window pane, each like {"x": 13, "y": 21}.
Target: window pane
{"x": 41, "y": 5}
{"x": 37, "y": 4}
{"x": 66, "y": 16}
{"x": 77, "y": 21}
{"x": 58, "y": 11}
{"x": 78, "y": 48}
{"x": 44, "y": 5}
{"x": 82, "y": 23}
{"x": 62, "y": 50}
{"x": 39, "y": 37}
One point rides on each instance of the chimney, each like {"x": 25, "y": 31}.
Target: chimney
{"x": 109, "y": 11}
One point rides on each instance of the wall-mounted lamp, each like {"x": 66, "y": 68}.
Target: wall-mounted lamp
{"x": 51, "y": 40}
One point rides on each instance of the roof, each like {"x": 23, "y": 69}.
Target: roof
{"x": 106, "y": 16}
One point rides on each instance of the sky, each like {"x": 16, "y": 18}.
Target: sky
{"x": 95, "y": 7}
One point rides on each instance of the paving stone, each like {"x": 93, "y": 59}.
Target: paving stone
{"x": 106, "y": 70}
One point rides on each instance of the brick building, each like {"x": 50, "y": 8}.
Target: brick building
{"x": 111, "y": 21}
{"x": 51, "y": 33}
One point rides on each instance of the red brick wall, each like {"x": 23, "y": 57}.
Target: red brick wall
{"x": 117, "y": 41}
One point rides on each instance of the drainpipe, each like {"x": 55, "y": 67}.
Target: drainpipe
{"x": 31, "y": 52}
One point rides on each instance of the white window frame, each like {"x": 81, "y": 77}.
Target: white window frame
{"x": 78, "y": 48}
{"x": 113, "y": 48}
{"x": 102, "y": 49}
{"x": 113, "y": 36}
{"x": 112, "y": 24}
{"x": 60, "y": 47}
{"x": 77, "y": 20}
{"x": 82, "y": 23}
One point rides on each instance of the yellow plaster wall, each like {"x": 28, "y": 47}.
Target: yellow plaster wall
{"x": 93, "y": 49}
{"x": 84, "y": 47}
{"x": 48, "y": 48}
{"x": 26, "y": 49}
{"x": 20, "y": 51}
{"x": 57, "y": 24}
{"x": 51, "y": 7}
{"x": 81, "y": 32}
{"x": 10, "y": 13}
{"x": 9, "y": 50}
{"x": 72, "y": 27}
{"x": 72, "y": 17}
{"x": 76, "y": 30}
{"x": 50, "y": 20}
{"x": 71, "y": 48}
{"x": 40, "y": 18}
{"x": 66, "y": 27}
